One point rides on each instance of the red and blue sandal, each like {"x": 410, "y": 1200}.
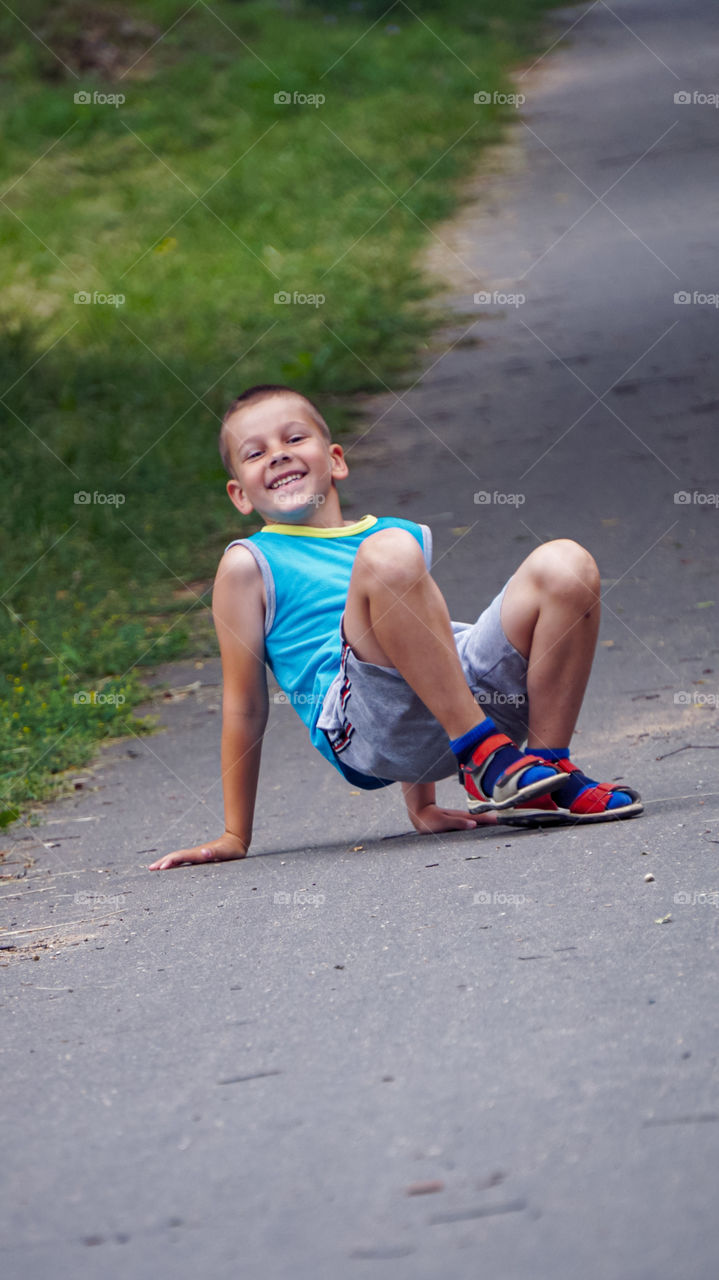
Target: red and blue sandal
{"x": 508, "y": 789}
{"x": 591, "y": 805}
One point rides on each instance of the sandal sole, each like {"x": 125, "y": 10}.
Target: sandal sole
{"x": 540, "y": 817}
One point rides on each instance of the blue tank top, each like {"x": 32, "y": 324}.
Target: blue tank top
{"x": 306, "y": 574}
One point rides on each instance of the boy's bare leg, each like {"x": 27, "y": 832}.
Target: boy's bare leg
{"x": 550, "y": 613}
{"x": 396, "y": 616}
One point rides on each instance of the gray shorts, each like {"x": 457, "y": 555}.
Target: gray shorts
{"x": 377, "y": 725}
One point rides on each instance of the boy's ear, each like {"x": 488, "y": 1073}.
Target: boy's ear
{"x": 339, "y": 462}
{"x": 238, "y": 498}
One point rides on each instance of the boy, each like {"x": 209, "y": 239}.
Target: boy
{"x": 358, "y": 634}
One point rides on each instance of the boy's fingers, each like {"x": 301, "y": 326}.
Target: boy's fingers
{"x": 446, "y": 820}
{"x": 163, "y": 864}
{"x": 202, "y": 853}
{"x": 479, "y": 819}
{"x": 461, "y": 819}
{"x": 183, "y": 855}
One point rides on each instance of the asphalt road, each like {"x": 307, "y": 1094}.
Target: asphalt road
{"x": 532, "y": 1042}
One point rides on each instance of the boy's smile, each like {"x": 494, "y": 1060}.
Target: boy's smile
{"x": 285, "y": 466}
{"x": 283, "y": 481}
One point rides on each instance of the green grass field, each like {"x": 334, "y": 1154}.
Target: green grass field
{"x": 181, "y": 212}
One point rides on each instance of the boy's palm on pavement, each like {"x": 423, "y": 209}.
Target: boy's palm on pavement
{"x": 432, "y": 819}
{"x": 224, "y": 849}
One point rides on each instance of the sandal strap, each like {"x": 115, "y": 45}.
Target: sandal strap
{"x": 524, "y": 762}
{"x": 485, "y": 753}
{"x": 592, "y": 799}
{"x": 595, "y": 798}
{"x": 488, "y": 748}
{"x": 482, "y": 757}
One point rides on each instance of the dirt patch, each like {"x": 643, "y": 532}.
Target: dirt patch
{"x": 24, "y": 950}
{"x": 108, "y": 42}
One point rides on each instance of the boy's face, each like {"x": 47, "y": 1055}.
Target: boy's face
{"x": 284, "y": 464}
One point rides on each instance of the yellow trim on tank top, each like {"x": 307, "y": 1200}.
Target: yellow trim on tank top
{"x": 307, "y": 531}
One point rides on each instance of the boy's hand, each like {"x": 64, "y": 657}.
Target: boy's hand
{"x": 432, "y": 818}
{"x": 227, "y": 847}
{"x": 427, "y": 816}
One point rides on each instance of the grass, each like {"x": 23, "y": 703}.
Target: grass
{"x": 196, "y": 201}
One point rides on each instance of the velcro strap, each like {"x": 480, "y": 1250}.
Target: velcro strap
{"x": 487, "y": 748}
{"x": 593, "y": 799}
{"x": 524, "y": 762}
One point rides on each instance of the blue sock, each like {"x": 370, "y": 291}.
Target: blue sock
{"x": 576, "y": 782}
{"x": 464, "y": 747}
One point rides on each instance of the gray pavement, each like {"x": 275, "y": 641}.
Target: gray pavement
{"x": 518, "y": 1020}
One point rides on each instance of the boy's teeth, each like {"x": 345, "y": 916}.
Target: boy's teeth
{"x": 287, "y": 480}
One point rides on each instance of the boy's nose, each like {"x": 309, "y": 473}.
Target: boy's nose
{"x": 279, "y": 455}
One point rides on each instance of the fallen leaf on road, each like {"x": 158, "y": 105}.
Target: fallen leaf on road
{"x": 182, "y": 691}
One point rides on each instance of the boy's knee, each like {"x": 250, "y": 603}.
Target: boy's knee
{"x": 566, "y": 567}
{"x": 391, "y": 555}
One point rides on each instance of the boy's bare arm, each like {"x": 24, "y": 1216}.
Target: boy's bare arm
{"x": 239, "y": 615}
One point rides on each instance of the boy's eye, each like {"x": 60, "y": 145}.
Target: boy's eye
{"x": 254, "y": 454}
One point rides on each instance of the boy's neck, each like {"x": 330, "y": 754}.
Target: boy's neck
{"x": 328, "y": 515}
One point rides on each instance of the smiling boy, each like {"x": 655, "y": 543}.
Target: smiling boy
{"x": 357, "y": 634}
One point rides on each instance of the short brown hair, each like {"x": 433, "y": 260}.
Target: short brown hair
{"x": 261, "y": 392}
